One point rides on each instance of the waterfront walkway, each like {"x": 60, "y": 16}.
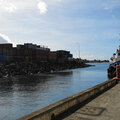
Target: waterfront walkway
{"x": 104, "y": 107}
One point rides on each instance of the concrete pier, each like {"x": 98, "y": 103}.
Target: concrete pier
{"x": 75, "y": 108}
{"x": 104, "y": 107}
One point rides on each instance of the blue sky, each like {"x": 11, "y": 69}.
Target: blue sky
{"x": 94, "y": 25}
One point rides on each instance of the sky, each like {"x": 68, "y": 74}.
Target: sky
{"x": 89, "y": 26}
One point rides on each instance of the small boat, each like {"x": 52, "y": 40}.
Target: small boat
{"x": 115, "y": 62}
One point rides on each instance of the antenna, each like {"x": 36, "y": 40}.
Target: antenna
{"x": 79, "y": 51}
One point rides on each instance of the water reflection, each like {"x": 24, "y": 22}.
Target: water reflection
{"x": 29, "y": 83}
{"x": 22, "y": 95}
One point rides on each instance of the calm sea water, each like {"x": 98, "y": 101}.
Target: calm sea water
{"x": 22, "y": 95}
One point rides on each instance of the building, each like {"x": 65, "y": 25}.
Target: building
{"x": 53, "y": 56}
{"x": 5, "y": 52}
{"x": 32, "y": 52}
{"x": 60, "y": 56}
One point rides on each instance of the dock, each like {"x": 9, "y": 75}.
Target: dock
{"x": 104, "y": 107}
{"x": 101, "y": 102}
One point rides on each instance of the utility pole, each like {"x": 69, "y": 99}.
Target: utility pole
{"x": 79, "y": 51}
{"x": 119, "y": 36}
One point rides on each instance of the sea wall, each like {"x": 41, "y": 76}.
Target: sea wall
{"x": 48, "y": 113}
{"x": 30, "y": 68}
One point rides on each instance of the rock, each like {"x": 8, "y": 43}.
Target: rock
{"x": 22, "y": 68}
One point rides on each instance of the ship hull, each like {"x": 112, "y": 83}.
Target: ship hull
{"x": 112, "y": 70}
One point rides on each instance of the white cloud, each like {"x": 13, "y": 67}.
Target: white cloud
{"x": 111, "y": 4}
{"x": 42, "y": 6}
{"x": 24, "y": 5}
{"x": 7, "y": 6}
{"x": 59, "y": 0}
{"x": 106, "y": 8}
{"x": 4, "y": 38}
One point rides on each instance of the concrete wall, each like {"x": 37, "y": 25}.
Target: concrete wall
{"x": 64, "y": 105}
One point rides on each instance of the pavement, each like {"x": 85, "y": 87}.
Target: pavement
{"x": 104, "y": 107}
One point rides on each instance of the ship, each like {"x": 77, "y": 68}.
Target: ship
{"x": 114, "y": 65}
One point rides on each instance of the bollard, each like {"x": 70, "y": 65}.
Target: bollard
{"x": 118, "y": 71}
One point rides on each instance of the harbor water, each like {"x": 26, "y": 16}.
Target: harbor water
{"x": 22, "y": 95}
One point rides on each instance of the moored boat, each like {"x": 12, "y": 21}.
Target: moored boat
{"x": 115, "y": 62}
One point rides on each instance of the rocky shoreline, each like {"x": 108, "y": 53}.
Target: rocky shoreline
{"x": 31, "y": 68}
